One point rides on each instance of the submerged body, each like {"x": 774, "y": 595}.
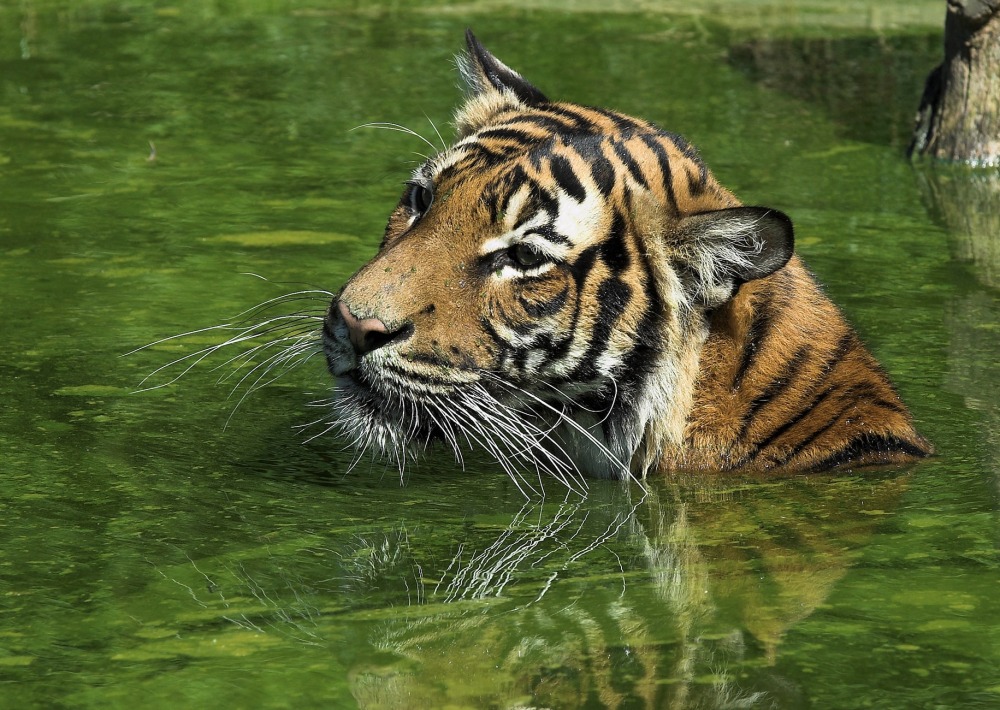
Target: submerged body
{"x": 571, "y": 289}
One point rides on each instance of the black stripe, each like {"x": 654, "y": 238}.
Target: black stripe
{"x": 422, "y": 378}
{"x": 697, "y": 184}
{"x": 519, "y": 356}
{"x": 759, "y": 328}
{"x": 867, "y": 393}
{"x": 493, "y": 334}
{"x": 478, "y": 157}
{"x": 623, "y": 123}
{"x": 613, "y": 249}
{"x": 543, "y": 309}
{"x": 844, "y": 345}
{"x": 566, "y": 178}
{"x": 538, "y": 201}
{"x": 517, "y": 325}
{"x": 535, "y": 157}
{"x": 686, "y": 149}
{"x": 587, "y": 147}
{"x": 777, "y": 433}
{"x": 663, "y": 160}
{"x": 590, "y": 149}
{"x": 781, "y": 290}
{"x": 558, "y": 349}
{"x": 580, "y": 123}
{"x": 891, "y": 406}
{"x": 848, "y": 341}
{"x": 808, "y": 441}
{"x": 497, "y": 195}
{"x": 628, "y": 160}
{"x": 613, "y": 297}
{"x": 603, "y": 174}
{"x": 508, "y": 134}
{"x": 547, "y": 123}
{"x": 532, "y": 204}
{"x": 850, "y": 397}
{"x": 639, "y": 362}
{"x": 579, "y": 270}
{"x": 778, "y": 385}
{"x": 582, "y": 266}
{"x": 869, "y": 443}
{"x": 548, "y": 232}
{"x": 490, "y": 198}
{"x": 446, "y": 173}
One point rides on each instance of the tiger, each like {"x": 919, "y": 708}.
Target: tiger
{"x": 570, "y": 289}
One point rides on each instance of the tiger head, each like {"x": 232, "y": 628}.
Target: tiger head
{"x": 543, "y": 287}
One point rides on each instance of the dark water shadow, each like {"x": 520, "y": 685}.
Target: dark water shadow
{"x": 868, "y": 85}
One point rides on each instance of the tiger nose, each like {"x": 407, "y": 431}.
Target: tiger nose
{"x": 367, "y": 334}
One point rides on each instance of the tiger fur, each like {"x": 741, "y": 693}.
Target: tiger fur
{"x": 571, "y": 289}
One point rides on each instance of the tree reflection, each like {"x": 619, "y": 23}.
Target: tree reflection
{"x": 966, "y": 201}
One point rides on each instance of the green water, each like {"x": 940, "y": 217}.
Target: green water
{"x": 158, "y": 548}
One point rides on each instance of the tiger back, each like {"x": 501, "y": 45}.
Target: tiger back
{"x": 570, "y": 289}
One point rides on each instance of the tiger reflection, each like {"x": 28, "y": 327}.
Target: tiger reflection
{"x": 732, "y": 571}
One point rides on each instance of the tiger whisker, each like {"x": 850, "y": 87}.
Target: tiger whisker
{"x": 246, "y": 315}
{"x": 566, "y": 399}
{"x": 284, "y": 361}
{"x": 321, "y": 421}
{"x": 276, "y": 324}
{"x": 569, "y": 421}
{"x": 489, "y": 441}
{"x": 258, "y": 383}
{"x": 312, "y": 288}
{"x": 529, "y": 452}
{"x": 244, "y": 335}
{"x": 401, "y": 129}
{"x": 447, "y": 431}
{"x": 532, "y": 433}
{"x": 293, "y": 338}
{"x": 474, "y": 429}
{"x": 517, "y": 428}
{"x": 547, "y": 463}
{"x": 243, "y": 359}
{"x": 444, "y": 144}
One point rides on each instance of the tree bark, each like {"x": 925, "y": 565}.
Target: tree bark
{"x": 959, "y": 114}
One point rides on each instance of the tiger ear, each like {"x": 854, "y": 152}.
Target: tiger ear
{"x": 491, "y": 86}
{"x": 724, "y": 249}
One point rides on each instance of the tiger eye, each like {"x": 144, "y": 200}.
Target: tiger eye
{"x": 527, "y": 256}
{"x": 421, "y": 198}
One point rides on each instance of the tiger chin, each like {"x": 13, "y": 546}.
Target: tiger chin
{"x": 570, "y": 289}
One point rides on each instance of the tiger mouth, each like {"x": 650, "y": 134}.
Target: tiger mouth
{"x": 365, "y": 411}
{"x": 469, "y": 418}
{"x": 399, "y": 404}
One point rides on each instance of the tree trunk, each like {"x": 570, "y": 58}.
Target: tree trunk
{"x": 959, "y": 115}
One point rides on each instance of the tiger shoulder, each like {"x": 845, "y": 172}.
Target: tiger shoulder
{"x": 570, "y": 289}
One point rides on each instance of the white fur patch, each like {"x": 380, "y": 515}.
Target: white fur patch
{"x": 579, "y": 221}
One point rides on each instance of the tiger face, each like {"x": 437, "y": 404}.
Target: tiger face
{"x": 545, "y": 288}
